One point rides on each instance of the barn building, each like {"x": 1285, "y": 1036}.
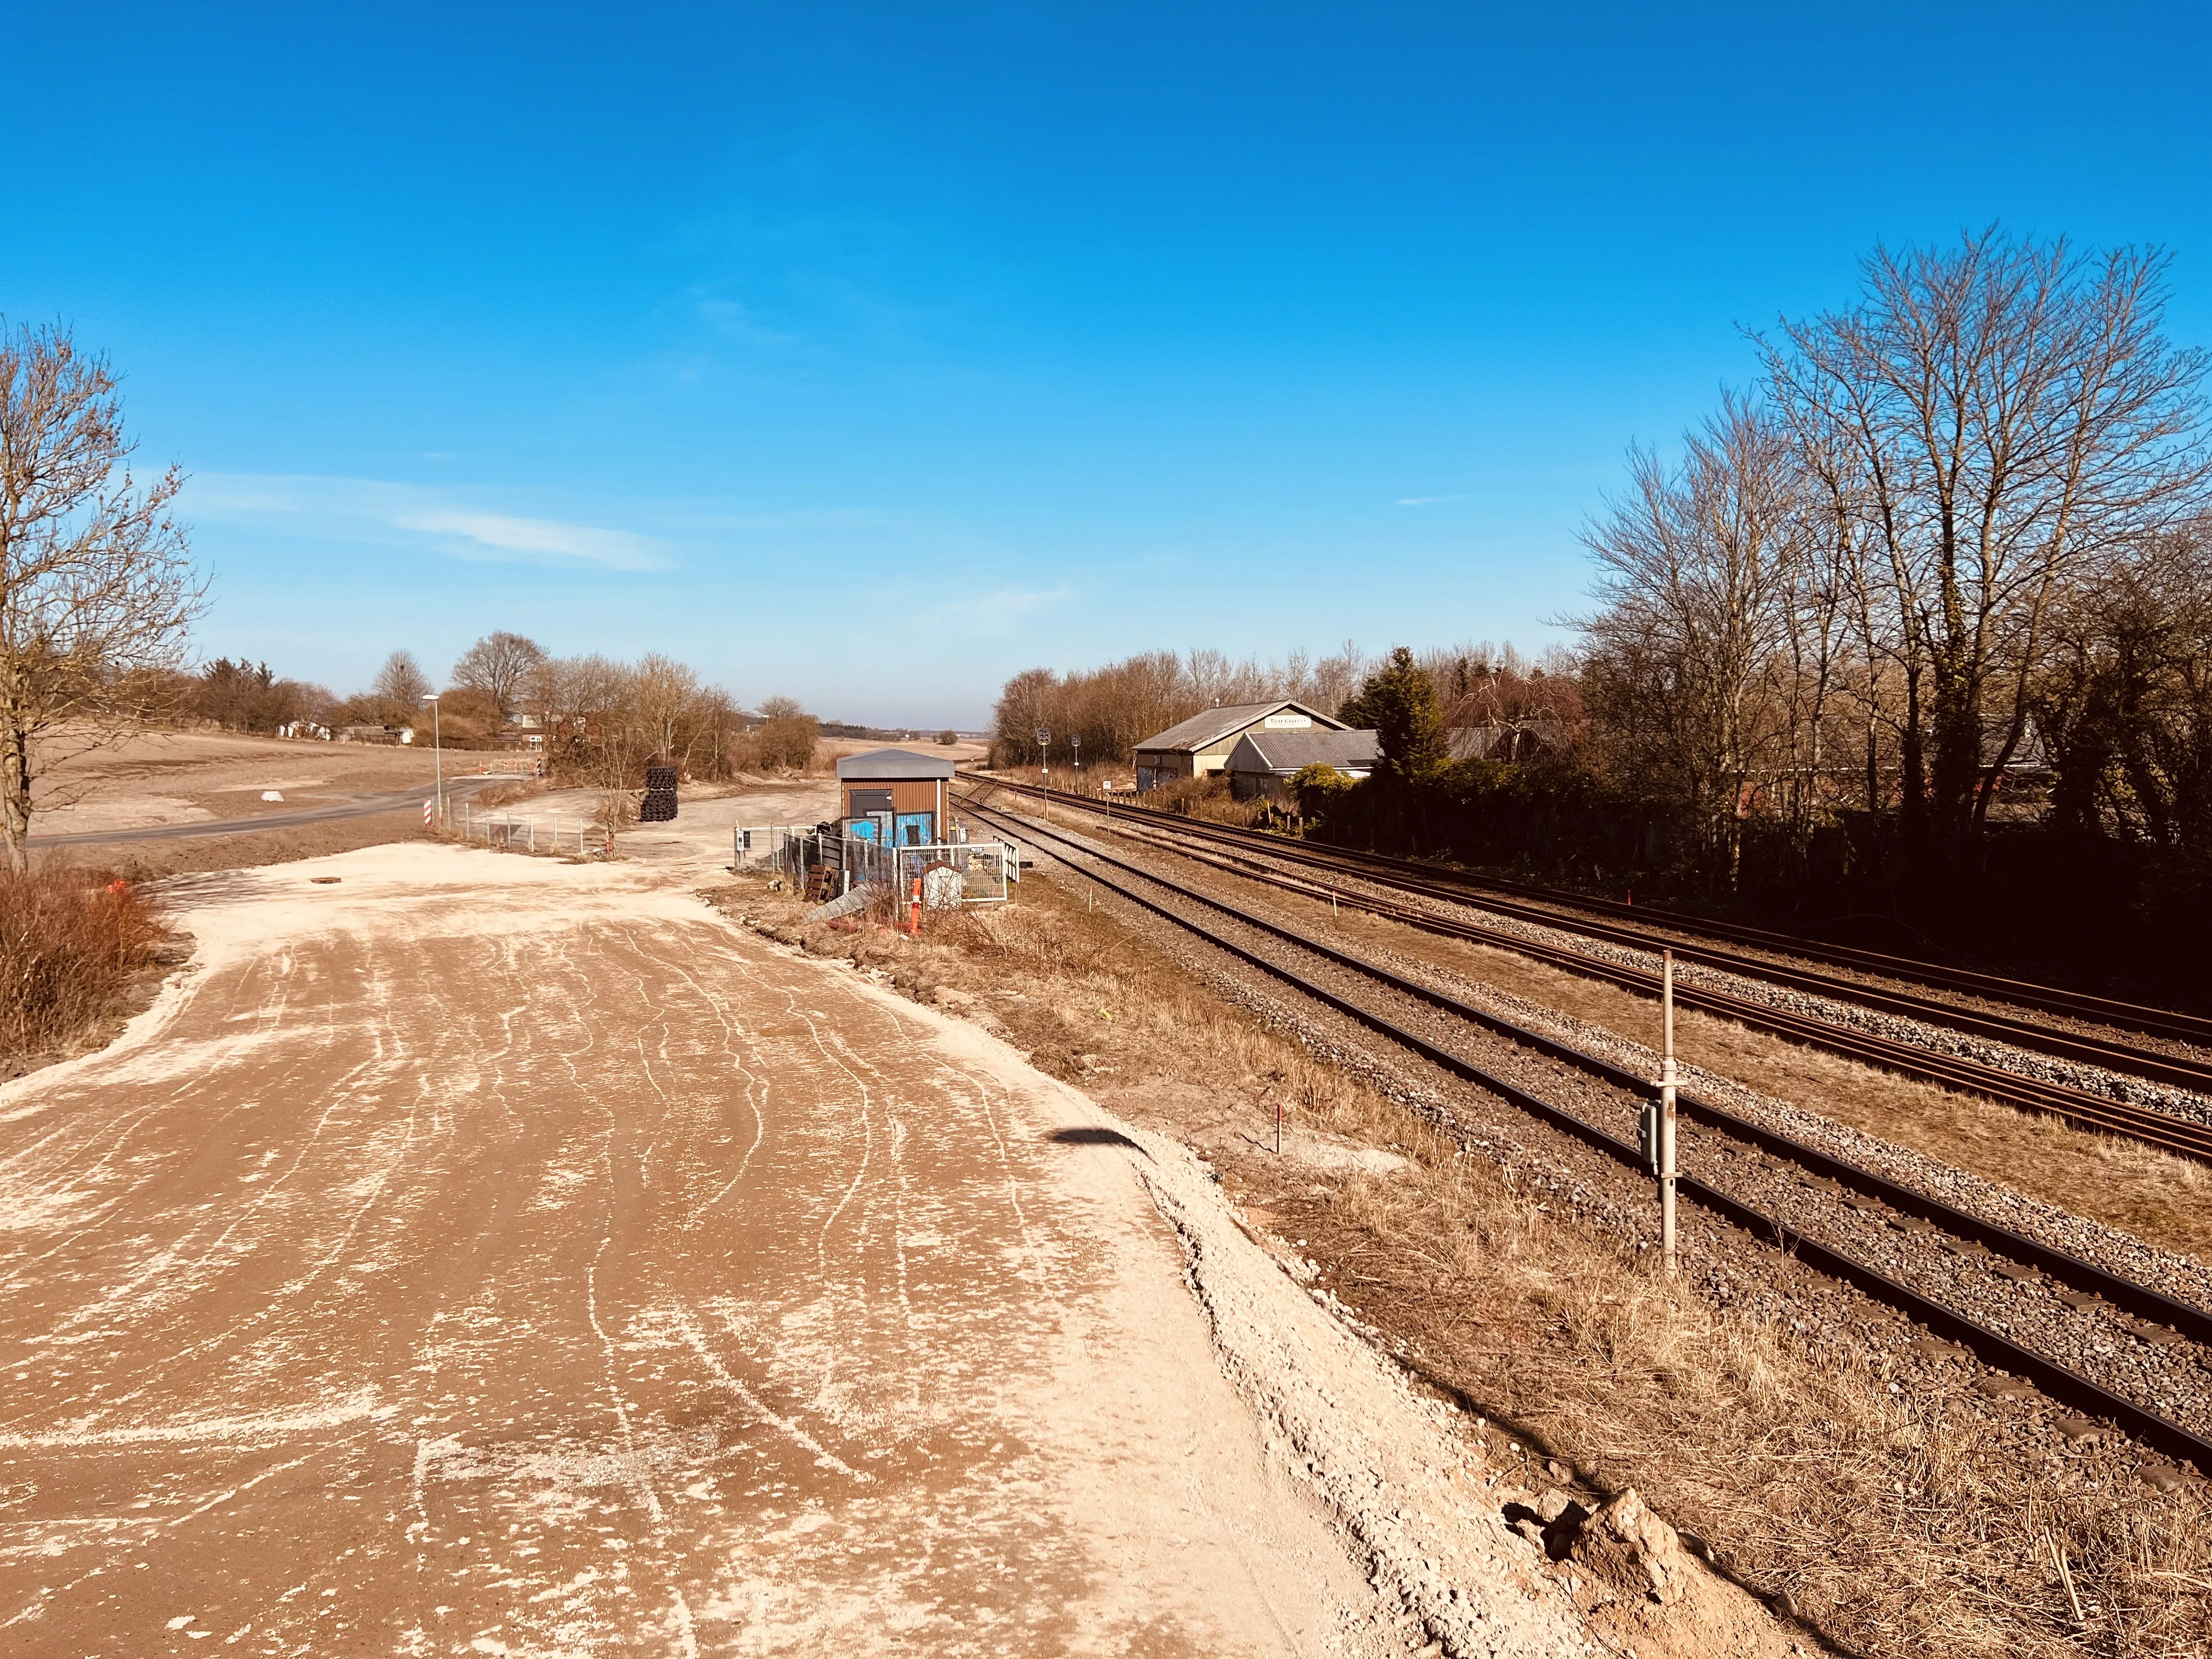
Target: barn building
{"x": 1200, "y": 746}
{"x": 893, "y": 796}
{"x": 1263, "y": 763}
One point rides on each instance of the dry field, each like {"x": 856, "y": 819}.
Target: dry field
{"x": 186, "y": 777}
{"x": 190, "y": 778}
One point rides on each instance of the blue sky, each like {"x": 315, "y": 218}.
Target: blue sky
{"x": 871, "y": 353}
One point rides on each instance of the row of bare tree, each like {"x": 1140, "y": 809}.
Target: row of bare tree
{"x": 592, "y": 714}
{"x": 1105, "y": 712}
{"x": 1954, "y": 541}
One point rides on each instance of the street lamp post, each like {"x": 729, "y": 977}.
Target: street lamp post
{"x": 437, "y": 758}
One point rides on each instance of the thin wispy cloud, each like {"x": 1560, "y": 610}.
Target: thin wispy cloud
{"x": 497, "y": 535}
{"x": 1001, "y": 606}
{"x": 1427, "y": 501}
{"x": 377, "y": 512}
{"x": 736, "y": 320}
{"x": 827, "y": 519}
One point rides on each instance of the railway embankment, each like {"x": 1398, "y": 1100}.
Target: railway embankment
{"x": 1822, "y": 1450}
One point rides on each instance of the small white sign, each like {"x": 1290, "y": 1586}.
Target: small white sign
{"x": 1280, "y": 722}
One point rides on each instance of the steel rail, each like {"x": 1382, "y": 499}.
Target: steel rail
{"x": 2163, "y": 1022}
{"x": 1999, "y": 1351}
{"x": 2096, "y": 1112}
{"x": 1457, "y": 888}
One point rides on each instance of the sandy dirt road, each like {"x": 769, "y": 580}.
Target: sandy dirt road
{"x": 486, "y": 1254}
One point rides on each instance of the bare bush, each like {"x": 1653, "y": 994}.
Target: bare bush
{"x": 70, "y": 942}
{"x": 786, "y": 737}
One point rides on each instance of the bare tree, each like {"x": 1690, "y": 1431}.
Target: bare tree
{"x": 788, "y": 734}
{"x": 664, "y": 701}
{"x": 398, "y": 688}
{"x": 499, "y": 665}
{"x": 1699, "y": 569}
{"x": 2006, "y": 410}
{"x": 97, "y": 591}
{"x": 2125, "y": 706}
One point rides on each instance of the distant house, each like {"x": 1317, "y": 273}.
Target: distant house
{"x": 1263, "y": 763}
{"x": 1200, "y": 746}
{"x": 374, "y": 734}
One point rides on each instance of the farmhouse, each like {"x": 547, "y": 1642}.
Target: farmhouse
{"x": 1263, "y": 763}
{"x": 1201, "y": 745}
{"x": 892, "y": 796}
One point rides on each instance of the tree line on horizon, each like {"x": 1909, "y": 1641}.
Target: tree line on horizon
{"x": 595, "y": 717}
{"x": 1105, "y": 712}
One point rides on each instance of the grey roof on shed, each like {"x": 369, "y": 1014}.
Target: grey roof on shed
{"x": 889, "y": 765}
{"x": 1215, "y": 724}
{"x": 1293, "y": 752}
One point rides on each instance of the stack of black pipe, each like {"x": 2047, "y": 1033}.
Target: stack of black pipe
{"x": 659, "y": 804}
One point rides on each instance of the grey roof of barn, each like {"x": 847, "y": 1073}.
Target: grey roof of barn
{"x": 1293, "y": 752}
{"x": 889, "y": 765}
{"x": 1215, "y": 724}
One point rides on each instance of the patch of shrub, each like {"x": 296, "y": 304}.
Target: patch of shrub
{"x": 70, "y": 941}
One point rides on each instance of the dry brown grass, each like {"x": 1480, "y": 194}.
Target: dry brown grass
{"x": 1905, "y": 1523}
{"x": 71, "y": 942}
{"x": 1900, "y": 1522}
{"x": 1208, "y": 797}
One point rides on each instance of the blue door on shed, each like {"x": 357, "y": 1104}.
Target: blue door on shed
{"x": 916, "y": 828}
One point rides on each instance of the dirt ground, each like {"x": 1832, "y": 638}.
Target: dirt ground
{"x": 474, "y": 1252}
{"x": 188, "y": 777}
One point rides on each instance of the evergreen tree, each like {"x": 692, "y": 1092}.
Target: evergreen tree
{"x": 1399, "y": 704}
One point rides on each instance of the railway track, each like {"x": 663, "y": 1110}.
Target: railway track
{"x": 1574, "y": 910}
{"x": 2078, "y": 1106}
{"x": 2090, "y": 1287}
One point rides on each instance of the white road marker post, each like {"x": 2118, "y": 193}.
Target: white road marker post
{"x": 437, "y": 756}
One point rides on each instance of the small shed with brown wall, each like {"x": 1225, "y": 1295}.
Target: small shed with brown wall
{"x": 893, "y": 797}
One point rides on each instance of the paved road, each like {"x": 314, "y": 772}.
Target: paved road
{"x": 495, "y": 1255}
{"x": 366, "y": 807}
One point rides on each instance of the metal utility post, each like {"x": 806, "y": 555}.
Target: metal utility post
{"x": 1656, "y": 1125}
{"x": 1044, "y": 768}
{"x": 1666, "y": 1085}
{"x": 437, "y": 758}
{"x": 1078, "y": 742}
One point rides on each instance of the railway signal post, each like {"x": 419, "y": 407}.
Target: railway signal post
{"x": 1658, "y": 1124}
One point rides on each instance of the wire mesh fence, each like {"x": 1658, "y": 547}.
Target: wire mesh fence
{"x": 568, "y": 834}
{"x": 831, "y": 866}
